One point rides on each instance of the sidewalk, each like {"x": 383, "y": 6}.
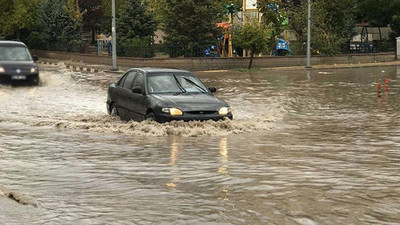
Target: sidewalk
{"x": 83, "y": 67}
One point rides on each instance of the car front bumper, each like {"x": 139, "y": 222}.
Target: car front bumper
{"x": 20, "y": 78}
{"x": 163, "y": 117}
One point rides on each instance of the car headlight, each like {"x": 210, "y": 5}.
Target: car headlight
{"x": 2, "y": 70}
{"x": 33, "y": 70}
{"x": 173, "y": 111}
{"x": 224, "y": 111}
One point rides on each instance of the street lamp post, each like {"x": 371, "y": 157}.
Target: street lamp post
{"x": 309, "y": 36}
{"x": 232, "y": 8}
{"x": 114, "y": 39}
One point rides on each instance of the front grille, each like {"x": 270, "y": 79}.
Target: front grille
{"x": 202, "y": 112}
{"x": 14, "y": 71}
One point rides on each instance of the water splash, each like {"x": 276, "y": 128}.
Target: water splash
{"x": 74, "y": 100}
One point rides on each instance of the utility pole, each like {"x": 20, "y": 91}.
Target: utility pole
{"x": 309, "y": 36}
{"x": 244, "y": 21}
{"x": 114, "y": 39}
{"x": 230, "y": 49}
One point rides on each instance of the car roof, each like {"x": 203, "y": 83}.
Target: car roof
{"x": 11, "y": 44}
{"x": 157, "y": 70}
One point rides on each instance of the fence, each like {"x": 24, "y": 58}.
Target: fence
{"x": 300, "y": 48}
{"x": 368, "y": 47}
{"x": 61, "y": 46}
{"x": 188, "y": 51}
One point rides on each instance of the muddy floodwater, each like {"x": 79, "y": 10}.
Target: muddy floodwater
{"x": 304, "y": 148}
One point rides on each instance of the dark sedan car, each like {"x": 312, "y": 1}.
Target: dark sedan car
{"x": 16, "y": 64}
{"x": 164, "y": 95}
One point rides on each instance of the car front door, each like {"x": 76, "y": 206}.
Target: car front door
{"x": 137, "y": 100}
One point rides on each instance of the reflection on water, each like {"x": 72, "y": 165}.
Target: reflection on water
{"x": 316, "y": 147}
{"x": 308, "y": 74}
{"x": 223, "y": 146}
{"x": 176, "y": 151}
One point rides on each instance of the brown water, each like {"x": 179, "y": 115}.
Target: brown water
{"x": 317, "y": 148}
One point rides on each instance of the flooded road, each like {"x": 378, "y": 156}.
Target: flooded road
{"x": 304, "y": 148}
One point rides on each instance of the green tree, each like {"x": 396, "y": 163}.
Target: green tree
{"x": 136, "y": 21}
{"x": 333, "y": 22}
{"x": 274, "y": 13}
{"x": 379, "y": 13}
{"x": 106, "y": 18}
{"x": 119, "y": 7}
{"x": 395, "y": 25}
{"x": 73, "y": 10}
{"x": 157, "y": 6}
{"x": 136, "y": 26}
{"x": 189, "y": 23}
{"x": 254, "y": 38}
{"x": 17, "y": 15}
{"x": 92, "y": 20}
{"x": 57, "y": 29}
{"x": 395, "y": 18}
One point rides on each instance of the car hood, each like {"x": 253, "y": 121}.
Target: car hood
{"x": 17, "y": 64}
{"x": 191, "y": 102}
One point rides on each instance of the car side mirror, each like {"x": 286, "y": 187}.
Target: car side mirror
{"x": 212, "y": 89}
{"x": 137, "y": 90}
{"x": 35, "y": 58}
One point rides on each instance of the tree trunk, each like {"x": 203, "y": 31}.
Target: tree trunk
{"x": 251, "y": 60}
{"x": 380, "y": 33}
{"x": 93, "y": 39}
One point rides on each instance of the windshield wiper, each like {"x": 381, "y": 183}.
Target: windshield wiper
{"x": 194, "y": 84}
{"x": 179, "y": 84}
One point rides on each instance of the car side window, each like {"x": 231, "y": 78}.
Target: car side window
{"x": 139, "y": 81}
{"x": 129, "y": 80}
{"x": 121, "y": 81}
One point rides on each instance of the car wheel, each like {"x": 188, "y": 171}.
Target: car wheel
{"x": 150, "y": 116}
{"x": 35, "y": 82}
{"x": 114, "y": 111}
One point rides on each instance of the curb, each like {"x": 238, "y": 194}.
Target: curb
{"x": 74, "y": 68}
{"x": 83, "y": 69}
{"x": 48, "y": 63}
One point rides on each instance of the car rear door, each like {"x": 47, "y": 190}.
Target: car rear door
{"x": 124, "y": 93}
{"x": 137, "y": 100}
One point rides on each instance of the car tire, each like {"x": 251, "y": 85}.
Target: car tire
{"x": 114, "y": 111}
{"x": 150, "y": 117}
{"x": 35, "y": 82}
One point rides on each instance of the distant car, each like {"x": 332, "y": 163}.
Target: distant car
{"x": 16, "y": 64}
{"x": 164, "y": 95}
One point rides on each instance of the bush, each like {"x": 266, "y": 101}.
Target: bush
{"x": 137, "y": 47}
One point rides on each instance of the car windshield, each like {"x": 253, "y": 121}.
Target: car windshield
{"x": 14, "y": 54}
{"x": 174, "y": 83}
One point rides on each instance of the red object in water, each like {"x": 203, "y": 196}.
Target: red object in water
{"x": 378, "y": 91}
{"x": 387, "y": 85}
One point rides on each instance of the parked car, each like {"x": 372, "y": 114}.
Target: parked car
{"x": 17, "y": 64}
{"x": 164, "y": 95}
